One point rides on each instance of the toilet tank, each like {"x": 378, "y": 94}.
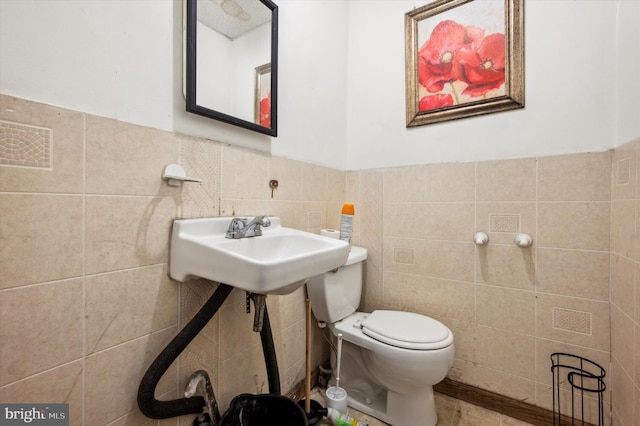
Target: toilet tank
{"x": 336, "y": 295}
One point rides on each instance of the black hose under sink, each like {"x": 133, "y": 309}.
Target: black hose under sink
{"x": 156, "y": 409}
{"x": 269, "y": 353}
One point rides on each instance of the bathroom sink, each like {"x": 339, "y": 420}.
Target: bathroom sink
{"x": 277, "y": 262}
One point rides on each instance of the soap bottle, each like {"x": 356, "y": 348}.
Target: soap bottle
{"x": 341, "y": 419}
{"x": 346, "y": 222}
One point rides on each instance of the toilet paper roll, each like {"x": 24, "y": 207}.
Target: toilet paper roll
{"x": 331, "y": 233}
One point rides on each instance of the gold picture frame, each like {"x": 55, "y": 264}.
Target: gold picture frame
{"x": 262, "y": 107}
{"x": 463, "y": 58}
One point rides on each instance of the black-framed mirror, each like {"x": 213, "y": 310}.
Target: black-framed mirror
{"x": 232, "y": 62}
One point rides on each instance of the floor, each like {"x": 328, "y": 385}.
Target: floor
{"x": 451, "y": 412}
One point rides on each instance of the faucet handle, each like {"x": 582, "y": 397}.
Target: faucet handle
{"x": 238, "y": 223}
{"x": 236, "y": 227}
{"x": 241, "y": 227}
{"x": 260, "y": 222}
{"x": 265, "y": 222}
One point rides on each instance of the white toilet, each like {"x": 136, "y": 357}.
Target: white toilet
{"x": 390, "y": 359}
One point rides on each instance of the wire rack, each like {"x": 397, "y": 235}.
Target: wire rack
{"x": 585, "y": 381}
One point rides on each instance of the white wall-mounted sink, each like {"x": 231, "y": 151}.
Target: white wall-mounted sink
{"x": 277, "y": 262}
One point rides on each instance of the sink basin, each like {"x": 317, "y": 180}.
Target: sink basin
{"x": 278, "y": 262}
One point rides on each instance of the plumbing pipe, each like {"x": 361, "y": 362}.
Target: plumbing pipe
{"x": 200, "y": 382}
{"x": 269, "y": 352}
{"x": 260, "y": 303}
{"x": 156, "y": 409}
{"x": 148, "y": 404}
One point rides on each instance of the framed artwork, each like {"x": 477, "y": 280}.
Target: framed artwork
{"x": 263, "y": 95}
{"x": 463, "y": 58}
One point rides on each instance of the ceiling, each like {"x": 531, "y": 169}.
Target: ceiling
{"x": 233, "y": 18}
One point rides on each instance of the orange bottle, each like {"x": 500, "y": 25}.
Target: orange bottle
{"x": 346, "y": 222}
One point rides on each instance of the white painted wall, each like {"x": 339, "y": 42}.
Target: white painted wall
{"x": 570, "y": 80}
{"x": 123, "y": 59}
{"x": 313, "y": 81}
{"x": 109, "y": 58}
{"x": 208, "y": 70}
{"x": 628, "y": 70}
{"x": 230, "y": 89}
{"x": 341, "y": 78}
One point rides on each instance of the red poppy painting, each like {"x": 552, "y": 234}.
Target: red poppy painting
{"x": 464, "y": 58}
{"x": 262, "y": 108}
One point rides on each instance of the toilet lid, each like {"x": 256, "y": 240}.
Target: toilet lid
{"x": 407, "y": 330}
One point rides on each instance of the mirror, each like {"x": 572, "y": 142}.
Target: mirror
{"x": 232, "y": 62}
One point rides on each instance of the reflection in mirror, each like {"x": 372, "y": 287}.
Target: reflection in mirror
{"x": 231, "y": 62}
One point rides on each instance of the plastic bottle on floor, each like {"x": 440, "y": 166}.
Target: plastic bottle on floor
{"x": 341, "y": 419}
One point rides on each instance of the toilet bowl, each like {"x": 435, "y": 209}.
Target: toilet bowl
{"x": 390, "y": 359}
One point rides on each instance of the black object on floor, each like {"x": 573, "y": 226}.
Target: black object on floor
{"x": 258, "y": 410}
{"x": 316, "y": 413}
{"x": 202, "y": 420}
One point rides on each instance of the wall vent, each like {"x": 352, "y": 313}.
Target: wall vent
{"x": 506, "y": 223}
{"x": 570, "y": 320}
{"x": 25, "y": 146}
{"x": 403, "y": 255}
{"x": 623, "y": 172}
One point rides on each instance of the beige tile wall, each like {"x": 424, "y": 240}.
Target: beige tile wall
{"x": 85, "y": 299}
{"x": 498, "y": 299}
{"x": 625, "y": 283}
{"x": 86, "y": 304}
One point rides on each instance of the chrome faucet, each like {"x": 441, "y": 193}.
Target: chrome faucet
{"x": 240, "y": 227}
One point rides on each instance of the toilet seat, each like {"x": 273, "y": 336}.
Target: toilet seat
{"x": 407, "y": 330}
